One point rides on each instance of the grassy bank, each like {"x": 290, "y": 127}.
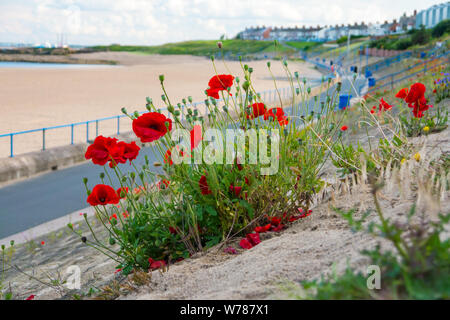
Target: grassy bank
{"x": 209, "y": 47}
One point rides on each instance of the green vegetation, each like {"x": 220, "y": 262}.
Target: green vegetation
{"x": 343, "y": 39}
{"x": 303, "y": 45}
{"x": 205, "y": 47}
{"x": 414, "y": 37}
{"x": 418, "y": 269}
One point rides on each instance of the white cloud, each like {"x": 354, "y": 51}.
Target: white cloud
{"x": 161, "y": 21}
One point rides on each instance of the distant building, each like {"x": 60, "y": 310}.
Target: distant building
{"x": 429, "y": 18}
{"x": 433, "y": 15}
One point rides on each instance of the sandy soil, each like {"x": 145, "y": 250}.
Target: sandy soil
{"x": 35, "y": 98}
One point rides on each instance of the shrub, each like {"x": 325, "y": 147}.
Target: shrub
{"x": 441, "y": 28}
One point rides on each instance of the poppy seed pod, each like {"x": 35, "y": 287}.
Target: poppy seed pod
{"x": 219, "y": 44}
{"x": 83, "y": 239}
{"x": 161, "y": 77}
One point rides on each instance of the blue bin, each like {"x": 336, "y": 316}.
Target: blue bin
{"x": 372, "y": 82}
{"x": 344, "y": 100}
{"x": 368, "y": 73}
{"x": 423, "y": 55}
{"x": 351, "y": 68}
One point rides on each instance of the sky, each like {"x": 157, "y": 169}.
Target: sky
{"x": 151, "y": 22}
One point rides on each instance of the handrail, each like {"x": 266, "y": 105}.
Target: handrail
{"x": 271, "y": 96}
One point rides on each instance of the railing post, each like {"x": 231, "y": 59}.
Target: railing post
{"x": 87, "y": 131}
{"x": 71, "y": 133}
{"x": 43, "y": 139}
{"x": 96, "y": 128}
{"x": 11, "y": 145}
{"x": 118, "y": 125}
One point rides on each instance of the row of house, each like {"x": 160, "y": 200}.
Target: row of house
{"x": 429, "y": 18}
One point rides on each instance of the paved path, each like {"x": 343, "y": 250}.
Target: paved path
{"x": 37, "y": 200}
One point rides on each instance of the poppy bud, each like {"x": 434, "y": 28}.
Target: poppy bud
{"x": 237, "y": 79}
{"x": 161, "y": 78}
{"x": 70, "y": 226}
{"x": 296, "y": 74}
{"x": 183, "y": 100}
{"x": 3, "y": 247}
{"x": 132, "y": 175}
{"x": 245, "y": 85}
{"x": 190, "y": 99}
{"x": 268, "y": 64}
{"x": 112, "y": 241}
{"x": 250, "y": 70}
{"x": 136, "y": 114}
{"x": 308, "y": 90}
{"x": 102, "y": 175}
{"x": 285, "y": 63}
{"x": 219, "y": 44}
{"x": 212, "y": 58}
{"x": 85, "y": 180}
{"x": 124, "y": 111}
{"x": 245, "y": 67}
{"x": 83, "y": 239}
{"x": 240, "y": 58}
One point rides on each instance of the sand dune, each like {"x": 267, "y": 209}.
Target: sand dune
{"x": 35, "y": 98}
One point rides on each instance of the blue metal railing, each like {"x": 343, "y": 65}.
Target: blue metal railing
{"x": 423, "y": 66}
{"x": 266, "y": 96}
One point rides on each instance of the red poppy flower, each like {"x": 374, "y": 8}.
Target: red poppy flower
{"x": 42, "y": 243}
{"x": 416, "y": 92}
{"x": 116, "y": 154}
{"x": 344, "y": 128}
{"x": 283, "y": 121}
{"x": 245, "y": 244}
{"x": 402, "y": 93}
{"x": 219, "y": 83}
{"x": 274, "y": 114}
{"x": 131, "y": 151}
{"x": 203, "y": 184}
{"x": 230, "y": 250}
{"x": 278, "y": 228}
{"x": 172, "y": 230}
{"x": 125, "y": 214}
{"x": 275, "y": 221}
{"x": 253, "y": 238}
{"x": 156, "y": 264}
{"x": 118, "y": 270}
{"x": 372, "y": 111}
{"x": 238, "y": 164}
{"x": 124, "y": 190}
{"x": 113, "y": 217}
{"x": 383, "y": 106}
{"x": 258, "y": 109}
{"x": 168, "y": 157}
{"x": 99, "y": 151}
{"x": 31, "y": 297}
{"x": 246, "y": 181}
{"x": 151, "y": 126}
{"x": 164, "y": 183}
{"x": 103, "y": 195}
{"x": 196, "y": 136}
{"x": 235, "y": 190}
{"x": 263, "y": 229}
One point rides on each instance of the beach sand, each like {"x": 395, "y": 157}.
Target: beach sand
{"x": 36, "y": 98}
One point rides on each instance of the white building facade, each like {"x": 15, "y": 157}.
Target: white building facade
{"x": 433, "y": 15}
